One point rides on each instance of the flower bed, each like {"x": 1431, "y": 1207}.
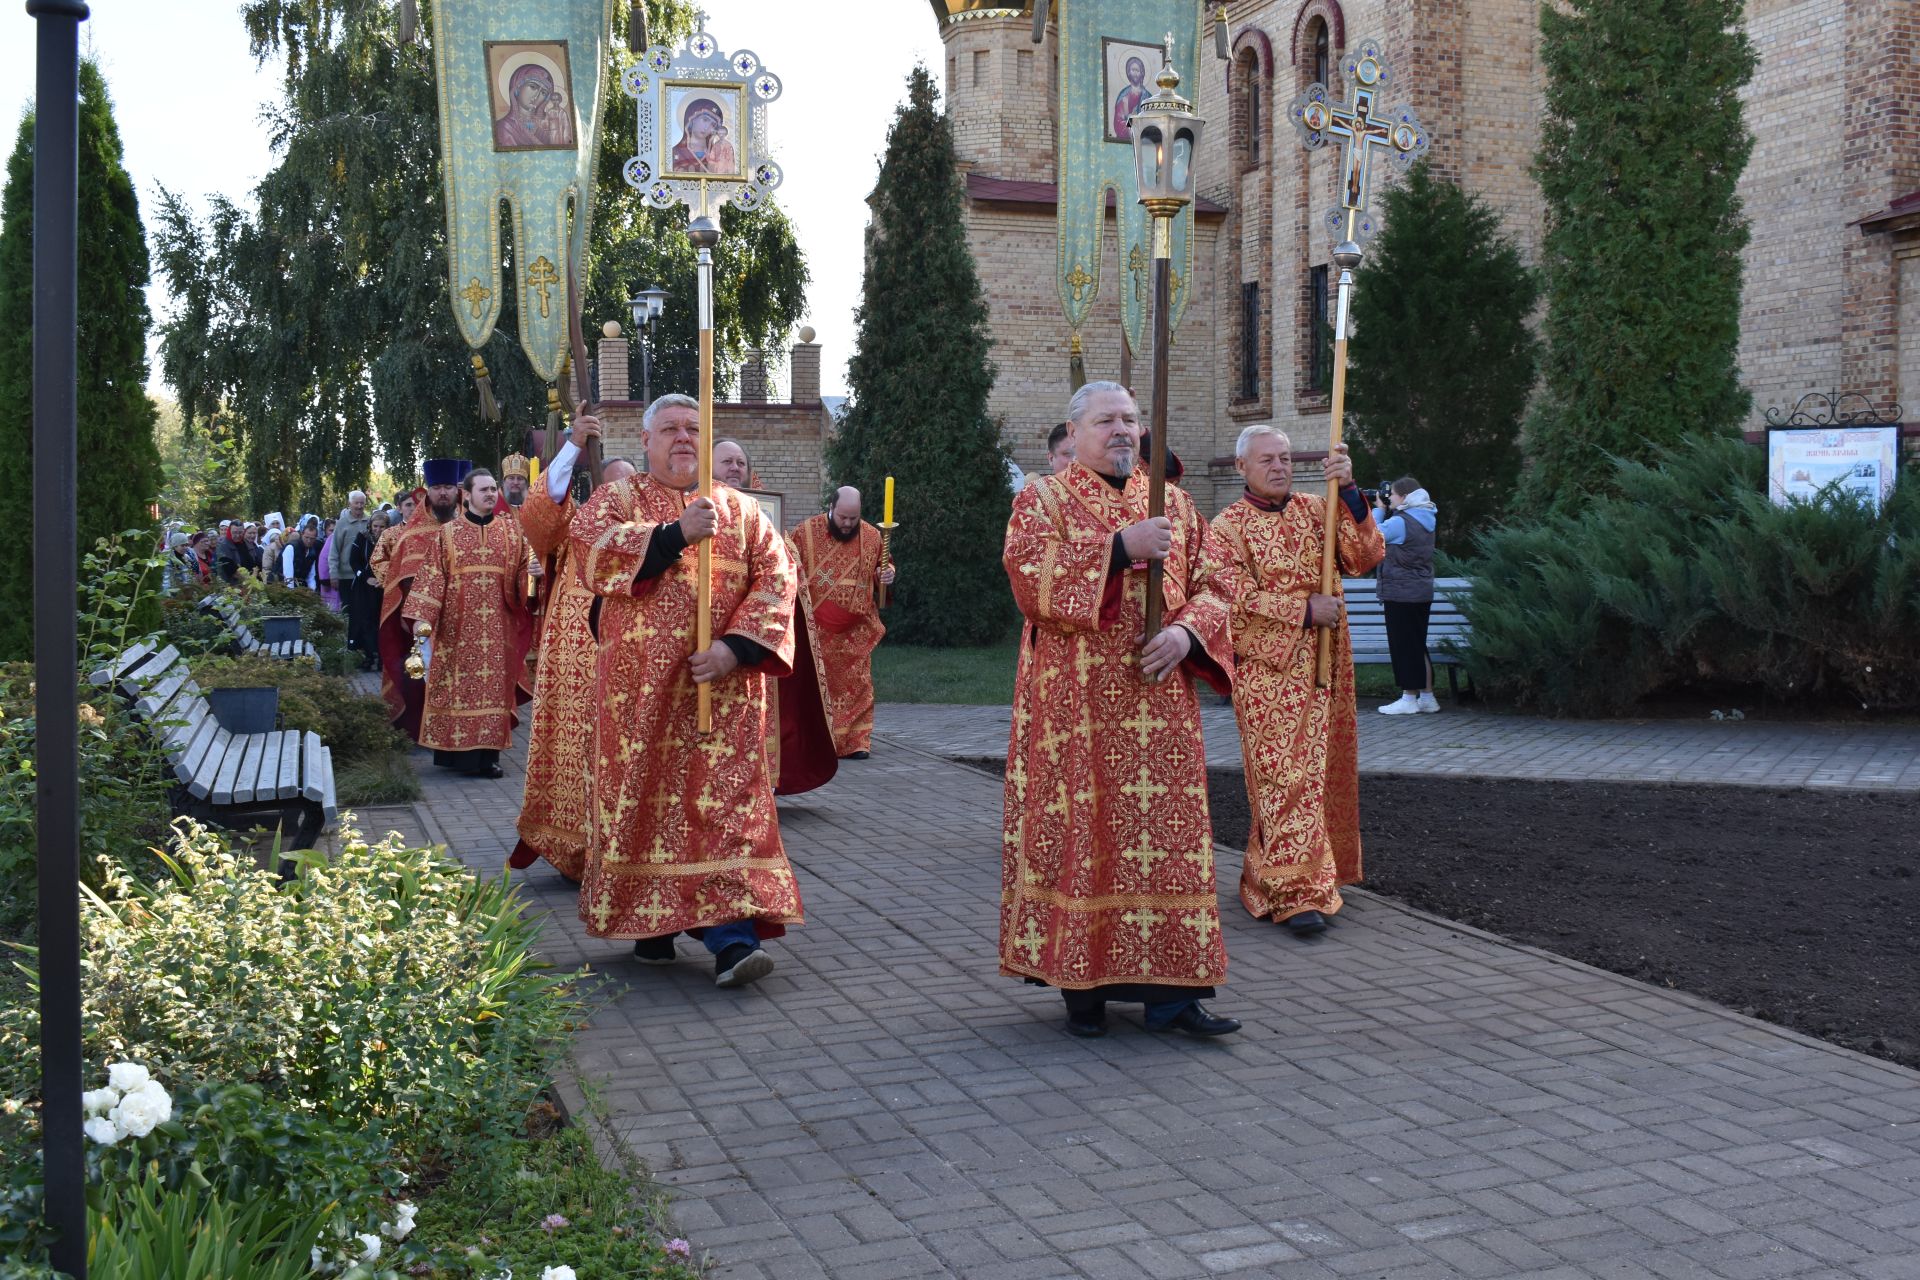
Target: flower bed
{"x": 338, "y": 1075}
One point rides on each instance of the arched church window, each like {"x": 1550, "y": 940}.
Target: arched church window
{"x": 1322, "y": 49}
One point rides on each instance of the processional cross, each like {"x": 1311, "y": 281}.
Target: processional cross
{"x": 1364, "y": 129}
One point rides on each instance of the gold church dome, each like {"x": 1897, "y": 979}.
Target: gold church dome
{"x": 948, "y": 11}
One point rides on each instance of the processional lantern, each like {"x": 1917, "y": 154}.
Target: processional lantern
{"x": 1366, "y": 131}
{"x": 702, "y": 132}
{"x": 1166, "y": 139}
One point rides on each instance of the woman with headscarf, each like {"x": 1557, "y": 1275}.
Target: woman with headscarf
{"x": 536, "y": 113}
{"x": 704, "y": 146}
{"x": 363, "y": 594}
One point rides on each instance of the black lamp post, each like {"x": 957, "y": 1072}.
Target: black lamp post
{"x": 646, "y": 306}
{"x": 55, "y": 641}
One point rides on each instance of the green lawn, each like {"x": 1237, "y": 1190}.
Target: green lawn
{"x": 976, "y": 677}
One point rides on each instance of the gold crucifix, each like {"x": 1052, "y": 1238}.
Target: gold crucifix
{"x": 542, "y": 276}
{"x": 1079, "y": 280}
{"x": 474, "y": 295}
{"x": 1363, "y": 126}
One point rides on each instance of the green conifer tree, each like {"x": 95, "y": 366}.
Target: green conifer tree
{"x": 1641, "y": 149}
{"x": 1442, "y": 356}
{"x": 920, "y": 378}
{"x": 119, "y": 472}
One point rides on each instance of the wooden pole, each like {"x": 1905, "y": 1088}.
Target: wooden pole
{"x": 705, "y": 234}
{"x": 1157, "y": 472}
{"x": 1346, "y": 256}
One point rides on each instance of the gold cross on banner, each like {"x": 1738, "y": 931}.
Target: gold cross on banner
{"x": 543, "y": 277}
{"x": 474, "y": 295}
{"x": 1079, "y": 279}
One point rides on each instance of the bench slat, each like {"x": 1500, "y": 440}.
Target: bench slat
{"x": 312, "y": 784}
{"x": 249, "y": 767}
{"x": 329, "y": 800}
{"x": 121, "y": 665}
{"x": 195, "y": 751}
{"x": 228, "y": 777}
{"x": 287, "y": 784}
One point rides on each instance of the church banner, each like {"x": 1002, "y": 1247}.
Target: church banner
{"x": 520, "y": 115}
{"x": 1110, "y": 52}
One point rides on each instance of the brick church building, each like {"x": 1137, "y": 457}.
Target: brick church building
{"x": 1832, "y": 291}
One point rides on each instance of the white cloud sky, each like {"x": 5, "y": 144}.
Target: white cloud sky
{"x": 188, "y": 98}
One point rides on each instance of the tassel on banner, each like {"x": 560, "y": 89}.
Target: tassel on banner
{"x": 553, "y": 421}
{"x": 1076, "y": 364}
{"x": 637, "y": 27}
{"x": 409, "y": 20}
{"x": 1220, "y": 49}
{"x": 489, "y": 407}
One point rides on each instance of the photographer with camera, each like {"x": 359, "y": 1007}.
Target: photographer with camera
{"x": 1406, "y": 591}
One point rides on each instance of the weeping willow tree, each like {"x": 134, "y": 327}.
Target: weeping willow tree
{"x": 316, "y": 317}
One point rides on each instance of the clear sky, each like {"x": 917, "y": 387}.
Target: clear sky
{"x": 188, "y": 99}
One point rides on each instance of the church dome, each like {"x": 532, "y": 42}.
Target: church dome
{"x": 948, "y": 11}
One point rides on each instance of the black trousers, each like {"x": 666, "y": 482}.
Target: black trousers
{"x": 472, "y": 763}
{"x": 1407, "y": 643}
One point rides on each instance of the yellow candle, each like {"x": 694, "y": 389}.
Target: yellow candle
{"x": 533, "y": 471}
{"x": 886, "y": 516}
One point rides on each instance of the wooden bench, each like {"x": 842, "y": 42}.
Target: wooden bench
{"x": 233, "y": 780}
{"x": 227, "y": 609}
{"x": 1448, "y": 634}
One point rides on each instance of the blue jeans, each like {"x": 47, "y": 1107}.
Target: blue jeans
{"x": 717, "y": 938}
{"x": 1159, "y": 1015}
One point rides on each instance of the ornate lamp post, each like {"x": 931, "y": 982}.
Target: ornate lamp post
{"x": 1166, "y": 136}
{"x": 646, "y": 306}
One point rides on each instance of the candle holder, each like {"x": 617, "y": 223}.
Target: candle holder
{"x": 886, "y": 553}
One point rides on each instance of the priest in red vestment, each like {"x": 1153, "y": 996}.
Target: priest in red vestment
{"x": 395, "y": 563}
{"x": 683, "y": 835}
{"x": 1107, "y": 883}
{"x": 1299, "y": 743}
{"x": 838, "y": 557}
{"x": 553, "y": 806}
{"x": 471, "y": 599}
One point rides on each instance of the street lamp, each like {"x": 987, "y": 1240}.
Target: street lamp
{"x": 646, "y": 305}
{"x": 1166, "y": 135}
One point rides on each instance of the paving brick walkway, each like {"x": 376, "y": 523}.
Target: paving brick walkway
{"x": 1410, "y": 1099}
{"x": 1482, "y": 744}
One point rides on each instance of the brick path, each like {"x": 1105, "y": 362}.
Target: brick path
{"x": 1410, "y": 1098}
{"x": 1482, "y": 744}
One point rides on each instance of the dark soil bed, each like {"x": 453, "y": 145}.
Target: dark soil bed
{"x": 1799, "y": 907}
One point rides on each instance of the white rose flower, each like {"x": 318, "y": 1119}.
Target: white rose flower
{"x": 142, "y": 1109}
{"x": 127, "y": 1076}
{"x": 372, "y": 1245}
{"x": 402, "y": 1226}
{"x": 557, "y": 1273}
{"x": 103, "y": 1130}
{"x": 99, "y": 1101}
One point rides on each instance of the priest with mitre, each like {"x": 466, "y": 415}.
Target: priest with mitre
{"x": 1107, "y": 884}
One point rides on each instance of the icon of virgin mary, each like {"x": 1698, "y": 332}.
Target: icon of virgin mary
{"x": 704, "y": 146}
{"x": 536, "y": 114}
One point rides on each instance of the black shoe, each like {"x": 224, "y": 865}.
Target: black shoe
{"x": 1196, "y": 1021}
{"x": 1087, "y": 1027}
{"x": 1306, "y": 924}
{"x": 654, "y": 950}
{"x": 741, "y": 964}
{"x": 858, "y": 755}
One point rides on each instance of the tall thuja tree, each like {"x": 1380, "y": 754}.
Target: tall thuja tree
{"x": 119, "y": 463}
{"x": 1442, "y": 355}
{"x": 920, "y": 378}
{"x": 317, "y": 316}
{"x": 1640, "y": 153}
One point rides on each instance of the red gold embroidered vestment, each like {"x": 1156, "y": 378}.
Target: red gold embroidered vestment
{"x": 395, "y": 562}
{"x": 840, "y": 579}
{"x": 1300, "y": 744}
{"x": 683, "y": 831}
{"x": 553, "y": 808}
{"x": 1107, "y": 861}
{"x": 472, "y": 592}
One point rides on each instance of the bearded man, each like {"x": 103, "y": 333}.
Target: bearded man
{"x": 1299, "y": 743}
{"x": 513, "y": 480}
{"x": 683, "y": 835}
{"x": 553, "y": 807}
{"x": 1107, "y": 888}
{"x": 397, "y": 560}
{"x": 838, "y": 557}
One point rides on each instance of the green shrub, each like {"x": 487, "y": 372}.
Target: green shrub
{"x": 147, "y": 1230}
{"x": 386, "y": 990}
{"x": 1693, "y": 580}
{"x": 354, "y": 725}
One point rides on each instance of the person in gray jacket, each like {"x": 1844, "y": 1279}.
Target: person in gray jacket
{"x": 1406, "y": 593}
{"x": 347, "y": 529}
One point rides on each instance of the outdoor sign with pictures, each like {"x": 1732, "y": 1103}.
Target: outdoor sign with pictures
{"x": 702, "y": 126}
{"x": 1803, "y": 461}
{"x": 520, "y": 114}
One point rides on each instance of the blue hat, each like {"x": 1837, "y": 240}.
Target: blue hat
{"x": 445, "y": 470}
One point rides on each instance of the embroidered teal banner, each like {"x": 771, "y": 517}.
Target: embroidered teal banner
{"x": 1110, "y": 51}
{"x": 520, "y": 115}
